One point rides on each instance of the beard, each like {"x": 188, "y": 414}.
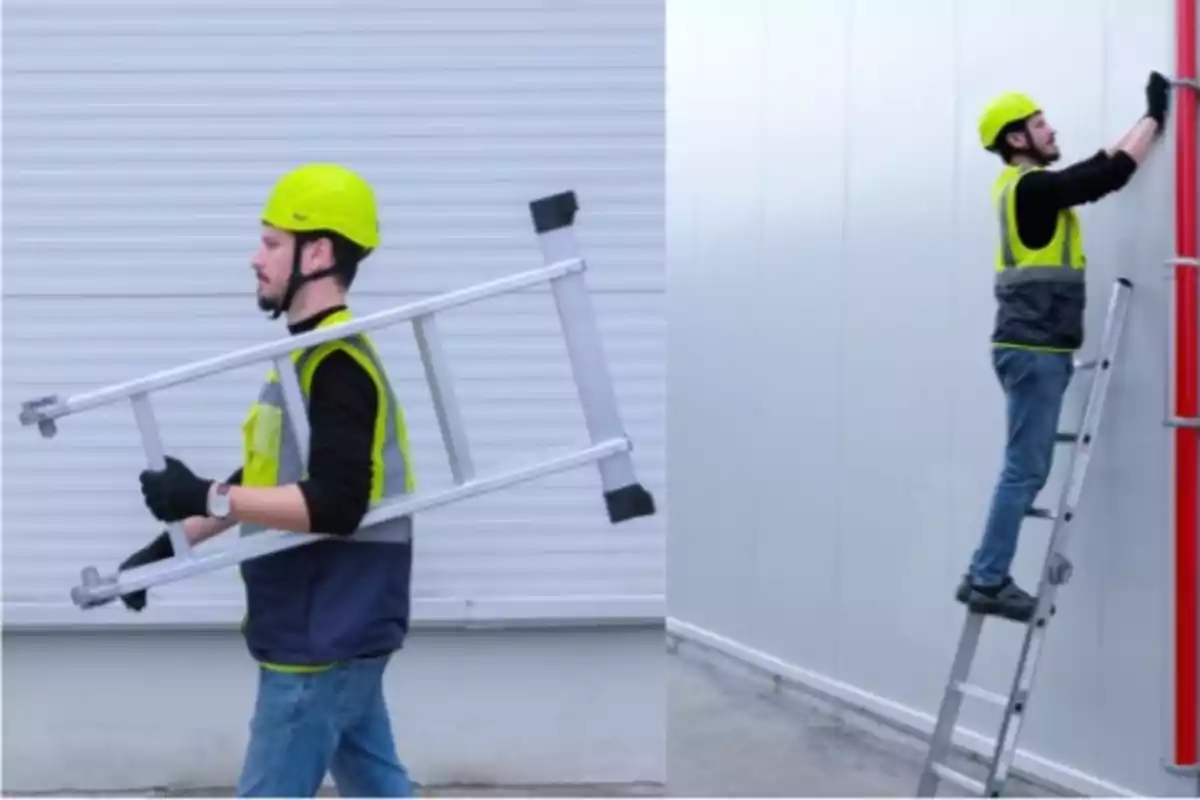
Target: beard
{"x": 266, "y": 303}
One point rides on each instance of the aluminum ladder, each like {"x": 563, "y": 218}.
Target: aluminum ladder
{"x": 1056, "y": 571}
{"x": 609, "y": 446}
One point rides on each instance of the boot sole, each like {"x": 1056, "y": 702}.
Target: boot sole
{"x": 981, "y": 604}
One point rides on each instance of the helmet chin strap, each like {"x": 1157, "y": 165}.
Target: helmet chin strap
{"x": 297, "y": 279}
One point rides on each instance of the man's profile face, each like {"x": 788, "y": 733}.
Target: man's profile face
{"x": 1044, "y": 138}
{"x": 272, "y": 263}
{"x": 1039, "y": 137}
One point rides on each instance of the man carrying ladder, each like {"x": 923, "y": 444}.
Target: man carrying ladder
{"x": 1040, "y": 292}
{"x": 322, "y": 620}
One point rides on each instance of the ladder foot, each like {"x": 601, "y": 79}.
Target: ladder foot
{"x": 554, "y": 211}
{"x": 629, "y": 502}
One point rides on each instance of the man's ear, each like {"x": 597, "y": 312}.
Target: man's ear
{"x": 1018, "y": 140}
{"x": 318, "y": 253}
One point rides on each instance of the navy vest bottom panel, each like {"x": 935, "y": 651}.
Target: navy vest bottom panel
{"x": 1041, "y": 314}
{"x": 328, "y": 601}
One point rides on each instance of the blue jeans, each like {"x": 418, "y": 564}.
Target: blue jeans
{"x": 307, "y": 724}
{"x": 1034, "y": 384}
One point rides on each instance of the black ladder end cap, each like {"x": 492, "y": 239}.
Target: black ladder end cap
{"x": 1125, "y": 282}
{"x": 554, "y": 211}
{"x": 629, "y": 502}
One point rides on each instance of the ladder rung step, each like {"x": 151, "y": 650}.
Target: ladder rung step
{"x": 1066, "y": 437}
{"x": 1040, "y": 513}
{"x": 979, "y": 693}
{"x": 1082, "y": 365}
{"x": 954, "y": 776}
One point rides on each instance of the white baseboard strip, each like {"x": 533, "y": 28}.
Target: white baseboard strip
{"x": 1037, "y": 768}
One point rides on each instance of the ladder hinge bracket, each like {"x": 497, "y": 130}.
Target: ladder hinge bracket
{"x": 31, "y": 412}
{"x": 1182, "y": 770}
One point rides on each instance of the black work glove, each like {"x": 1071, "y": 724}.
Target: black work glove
{"x": 158, "y": 550}
{"x": 1157, "y": 98}
{"x": 174, "y": 493}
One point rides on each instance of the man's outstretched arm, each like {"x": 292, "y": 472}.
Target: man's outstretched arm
{"x": 1047, "y": 192}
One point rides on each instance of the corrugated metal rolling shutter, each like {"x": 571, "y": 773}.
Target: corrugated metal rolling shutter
{"x": 140, "y": 139}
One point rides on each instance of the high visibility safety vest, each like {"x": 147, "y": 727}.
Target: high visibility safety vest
{"x": 1041, "y": 293}
{"x": 312, "y": 606}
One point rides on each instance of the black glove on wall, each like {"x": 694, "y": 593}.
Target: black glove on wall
{"x": 1157, "y": 98}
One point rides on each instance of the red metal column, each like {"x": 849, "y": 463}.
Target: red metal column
{"x": 1187, "y": 556}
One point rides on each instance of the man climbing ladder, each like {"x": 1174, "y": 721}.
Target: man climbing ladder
{"x": 1038, "y": 329}
{"x": 1040, "y": 292}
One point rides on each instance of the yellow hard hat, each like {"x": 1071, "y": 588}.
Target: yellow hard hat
{"x": 325, "y": 197}
{"x": 1004, "y": 110}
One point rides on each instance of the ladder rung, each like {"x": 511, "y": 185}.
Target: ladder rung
{"x": 1040, "y": 513}
{"x": 1066, "y": 437}
{"x": 1085, "y": 365}
{"x": 979, "y": 693}
{"x": 956, "y": 777}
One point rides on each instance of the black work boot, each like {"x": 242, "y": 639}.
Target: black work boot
{"x": 1006, "y": 600}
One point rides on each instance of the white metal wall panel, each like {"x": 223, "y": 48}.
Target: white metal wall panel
{"x": 830, "y": 241}
{"x": 140, "y": 141}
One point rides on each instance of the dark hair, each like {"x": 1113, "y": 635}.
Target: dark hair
{"x": 1006, "y": 150}
{"x": 346, "y": 255}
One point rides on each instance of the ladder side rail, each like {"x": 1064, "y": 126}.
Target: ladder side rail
{"x": 44, "y": 411}
{"x": 1004, "y": 750}
{"x": 942, "y": 738}
{"x": 94, "y": 590}
{"x": 553, "y": 219}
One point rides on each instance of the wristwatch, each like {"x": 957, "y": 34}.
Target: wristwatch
{"x": 219, "y": 505}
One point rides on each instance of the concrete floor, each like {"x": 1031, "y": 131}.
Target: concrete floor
{"x": 732, "y": 734}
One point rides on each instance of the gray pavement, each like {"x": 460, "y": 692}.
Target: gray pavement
{"x": 732, "y": 734}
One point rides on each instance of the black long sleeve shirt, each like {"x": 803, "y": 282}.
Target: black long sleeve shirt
{"x": 343, "y": 403}
{"x": 1043, "y": 193}
{"x": 1046, "y": 314}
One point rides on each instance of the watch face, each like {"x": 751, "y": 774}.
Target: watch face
{"x": 219, "y": 502}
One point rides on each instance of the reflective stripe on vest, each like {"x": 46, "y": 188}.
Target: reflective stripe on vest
{"x": 271, "y": 457}
{"x": 1061, "y": 260}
